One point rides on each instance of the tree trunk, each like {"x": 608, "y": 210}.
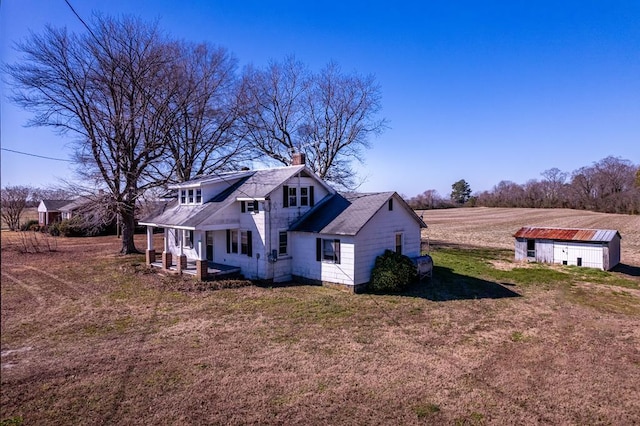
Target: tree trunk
{"x": 128, "y": 228}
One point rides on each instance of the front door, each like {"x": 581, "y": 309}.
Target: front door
{"x": 209, "y": 238}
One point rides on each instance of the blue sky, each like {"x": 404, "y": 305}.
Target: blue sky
{"x": 481, "y": 91}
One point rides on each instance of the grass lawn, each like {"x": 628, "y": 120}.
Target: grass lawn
{"x": 89, "y": 337}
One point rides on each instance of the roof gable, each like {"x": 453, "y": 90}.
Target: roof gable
{"x": 53, "y": 205}
{"x": 346, "y": 214}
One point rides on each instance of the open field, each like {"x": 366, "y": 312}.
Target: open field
{"x": 494, "y": 227}
{"x": 90, "y": 337}
{"x": 30, "y": 213}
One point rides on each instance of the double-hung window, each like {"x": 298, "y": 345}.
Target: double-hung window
{"x": 282, "y": 243}
{"x": 327, "y": 250}
{"x": 239, "y": 241}
{"x": 188, "y": 238}
{"x": 293, "y": 198}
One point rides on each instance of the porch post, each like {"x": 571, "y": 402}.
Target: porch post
{"x": 202, "y": 266}
{"x": 181, "y": 264}
{"x": 166, "y": 254}
{"x": 151, "y": 253}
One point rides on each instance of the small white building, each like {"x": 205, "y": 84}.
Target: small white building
{"x": 50, "y": 211}
{"x": 281, "y": 224}
{"x": 591, "y": 248}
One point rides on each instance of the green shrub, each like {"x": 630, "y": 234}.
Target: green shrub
{"x": 71, "y": 227}
{"x": 32, "y": 225}
{"x": 392, "y": 272}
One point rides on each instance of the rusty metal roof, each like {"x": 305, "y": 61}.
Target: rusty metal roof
{"x": 567, "y": 234}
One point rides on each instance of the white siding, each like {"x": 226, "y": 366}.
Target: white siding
{"x": 612, "y": 253}
{"x": 379, "y": 234}
{"x": 569, "y": 252}
{"x": 305, "y": 263}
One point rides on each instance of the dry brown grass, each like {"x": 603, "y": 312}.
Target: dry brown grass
{"x": 30, "y": 213}
{"x": 89, "y": 337}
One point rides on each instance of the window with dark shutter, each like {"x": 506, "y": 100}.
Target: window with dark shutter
{"x": 228, "y": 241}
{"x": 249, "y": 244}
{"x": 391, "y": 204}
{"x": 285, "y": 196}
{"x": 243, "y": 207}
{"x": 311, "y": 200}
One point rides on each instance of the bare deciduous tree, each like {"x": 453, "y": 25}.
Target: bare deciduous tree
{"x": 112, "y": 88}
{"x": 273, "y": 111}
{"x": 340, "y": 120}
{"x": 14, "y": 200}
{"x": 203, "y": 138}
{"x": 330, "y": 116}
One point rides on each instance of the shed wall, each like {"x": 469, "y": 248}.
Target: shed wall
{"x": 544, "y": 251}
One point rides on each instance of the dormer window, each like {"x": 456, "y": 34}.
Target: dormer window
{"x": 191, "y": 196}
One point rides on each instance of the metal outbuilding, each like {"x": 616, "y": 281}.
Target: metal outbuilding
{"x": 592, "y": 248}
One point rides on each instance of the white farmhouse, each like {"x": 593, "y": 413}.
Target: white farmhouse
{"x": 593, "y": 248}
{"x": 281, "y": 224}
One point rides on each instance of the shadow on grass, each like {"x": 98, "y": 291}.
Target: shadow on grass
{"x": 632, "y": 271}
{"x": 447, "y": 285}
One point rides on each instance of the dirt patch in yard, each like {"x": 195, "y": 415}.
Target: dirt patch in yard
{"x": 110, "y": 343}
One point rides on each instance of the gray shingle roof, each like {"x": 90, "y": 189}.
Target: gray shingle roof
{"x": 55, "y": 205}
{"x": 254, "y": 184}
{"x": 344, "y": 214}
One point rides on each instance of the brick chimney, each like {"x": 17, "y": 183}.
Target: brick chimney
{"x": 298, "y": 159}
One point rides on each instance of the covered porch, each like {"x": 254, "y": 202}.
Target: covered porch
{"x": 214, "y": 270}
{"x": 196, "y": 244}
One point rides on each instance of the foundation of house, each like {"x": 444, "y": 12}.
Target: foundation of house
{"x": 202, "y": 270}
{"x": 151, "y": 256}
{"x": 181, "y": 264}
{"x": 358, "y": 288}
{"x": 166, "y": 259}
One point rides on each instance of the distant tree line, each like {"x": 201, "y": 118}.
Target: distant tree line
{"x": 611, "y": 185}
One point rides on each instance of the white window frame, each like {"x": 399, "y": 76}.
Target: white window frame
{"x": 286, "y": 243}
{"x": 329, "y": 252}
{"x": 293, "y": 196}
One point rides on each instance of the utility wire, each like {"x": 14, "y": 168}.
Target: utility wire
{"x": 36, "y": 155}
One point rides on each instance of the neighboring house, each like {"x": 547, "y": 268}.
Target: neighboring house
{"x": 49, "y": 211}
{"x": 593, "y": 248}
{"x": 281, "y": 224}
{"x": 73, "y": 208}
